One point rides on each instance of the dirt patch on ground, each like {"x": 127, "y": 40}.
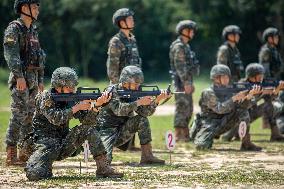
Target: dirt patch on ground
{"x": 188, "y": 168}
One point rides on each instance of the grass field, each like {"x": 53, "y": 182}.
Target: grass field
{"x": 222, "y": 167}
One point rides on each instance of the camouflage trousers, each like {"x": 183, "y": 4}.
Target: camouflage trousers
{"x": 22, "y": 110}
{"x": 280, "y": 123}
{"x": 269, "y": 110}
{"x": 183, "y": 111}
{"x": 117, "y": 136}
{"x": 207, "y": 128}
{"x": 48, "y": 150}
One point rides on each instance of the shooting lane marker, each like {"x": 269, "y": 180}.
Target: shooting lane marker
{"x": 170, "y": 143}
{"x": 242, "y": 129}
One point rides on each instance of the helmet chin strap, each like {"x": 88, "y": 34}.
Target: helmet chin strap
{"x": 29, "y": 15}
{"x": 125, "y": 28}
{"x": 187, "y": 36}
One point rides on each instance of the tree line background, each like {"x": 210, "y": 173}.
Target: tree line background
{"x": 76, "y": 33}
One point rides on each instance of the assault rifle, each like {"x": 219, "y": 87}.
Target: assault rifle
{"x": 91, "y": 93}
{"x": 143, "y": 90}
{"x": 268, "y": 84}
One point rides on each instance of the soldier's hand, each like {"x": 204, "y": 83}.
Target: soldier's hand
{"x": 256, "y": 89}
{"x": 40, "y": 87}
{"x": 83, "y": 105}
{"x": 279, "y": 88}
{"x": 103, "y": 99}
{"x": 163, "y": 95}
{"x": 21, "y": 84}
{"x": 239, "y": 97}
{"x": 188, "y": 89}
{"x": 144, "y": 101}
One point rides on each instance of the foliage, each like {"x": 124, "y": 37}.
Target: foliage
{"x": 76, "y": 33}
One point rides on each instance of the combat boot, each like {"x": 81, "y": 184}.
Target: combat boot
{"x": 104, "y": 170}
{"x": 247, "y": 145}
{"x": 276, "y": 135}
{"x": 147, "y": 156}
{"x": 186, "y": 134}
{"x": 12, "y": 156}
{"x": 24, "y": 155}
{"x": 180, "y": 134}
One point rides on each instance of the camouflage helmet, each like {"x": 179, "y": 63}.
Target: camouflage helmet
{"x": 185, "y": 24}
{"x": 130, "y": 73}
{"x": 121, "y": 14}
{"x": 231, "y": 29}
{"x": 269, "y": 32}
{"x": 254, "y": 69}
{"x": 64, "y": 76}
{"x": 218, "y": 70}
{"x": 18, "y": 4}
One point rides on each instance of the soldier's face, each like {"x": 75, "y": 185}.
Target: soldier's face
{"x": 259, "y": 78}
{"x": 276, "y": 39}
{"x": 131, "y": 86}
{"x": 234, "y": 38}
{"x": 224, "y": 80}
{"x": 65, "y": 89}
{"x": 34, "y": 10}
{"x": 128, "y": 22}
{"x": 188, "y": 32}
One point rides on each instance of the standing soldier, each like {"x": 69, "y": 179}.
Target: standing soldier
{"x": 271, "y": 60}
{"x": 228, "y": 53}
{"x": 183, "y": 66}
{"x": 123, "y": 50}
{"x": 25, "y": 59}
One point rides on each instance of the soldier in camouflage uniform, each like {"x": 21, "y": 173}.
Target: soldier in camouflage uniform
{"x": 123, "y": 50}
{"x": 271, "y": 60}
{"x": 183, "y": 66}
{"x": 255, "y": 74}
{"x": 219, "y": 113}
{"x": 121, "y": 118}
{"x": 228, "y": 53}
{"x": 52, "y": 137}
{"x": 25, "y": 59}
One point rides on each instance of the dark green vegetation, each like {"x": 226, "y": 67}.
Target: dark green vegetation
{"x": 76, "y": 33}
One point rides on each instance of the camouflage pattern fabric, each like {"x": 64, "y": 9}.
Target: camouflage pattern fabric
{"x": 218, "y": 115}
{"x": 272, "y": 62}
{"x": 52, "y": 138}
{"x": 16, "y": 38}
{"x": 117, "y": 122}
{"x": 231, "y": 57}
{"x": 280, "y": 117}
{"x": 181, "y": 61}
{"x": 122, "y": 52}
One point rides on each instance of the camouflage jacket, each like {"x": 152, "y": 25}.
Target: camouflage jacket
{"x": 271, "y": 60}
{"x": 231, "y": 57}
{"x": 182, "y": 62}
{"x": 23, "y": 54}
{"x": 122, "y": 52}
{"x": 117, "y": 111}
{"x": 215, "y": 106}
{"x": 51, "y": 119}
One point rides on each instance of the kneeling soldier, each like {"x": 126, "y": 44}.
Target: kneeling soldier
{"x": 271, "y": 107}
{"x": 52, "y": 137}
{"x": 117, "y": 121}
{"x": 220, "y": 113}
